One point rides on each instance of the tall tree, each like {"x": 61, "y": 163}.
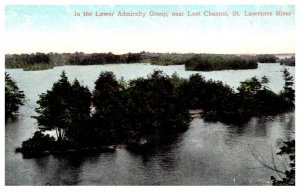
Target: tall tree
{"x": 154, "y": 107}
{"x": 63, "y": 106}
{"x": 14, "y": 97}
{"x": 287, "y": 150}
{"x": 80, "y": 109}
{"x": 108, "y": 118}
{"x": 288, "y": 92}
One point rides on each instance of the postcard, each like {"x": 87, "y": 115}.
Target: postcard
{"x": 149, "y": 95}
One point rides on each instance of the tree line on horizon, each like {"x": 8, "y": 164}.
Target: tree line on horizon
{"x": 288, "y": 61}
{"x": 206, "y": 62}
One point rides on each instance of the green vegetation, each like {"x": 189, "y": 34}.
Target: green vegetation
{"x": 220, "y": 102}
{"x": 63, "y": 107}
{"x": 14, "y": 98}
{"x": 197, "y": 62}
{"x": 206, "y": 62}
{"x": 154, "y": 109}
{"x": 38, "y": 145}
{"x": 266, "y": 59}
{"x": 29, "y": 62}
{"x": 166, "y": 58}
{"x": 288, "y": 149}
{"x": 121, "y": 113}
{"x": 102, "y": 58}
{"x": 108, "y": 121}
{"x": 42, "y": 61}
{"x": 288, "y": 93}
{"x": 145, "y": 111}
{"x": 288, "y": 61}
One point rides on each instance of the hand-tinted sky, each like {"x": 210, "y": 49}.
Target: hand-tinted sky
{"x": 56, "y": 29}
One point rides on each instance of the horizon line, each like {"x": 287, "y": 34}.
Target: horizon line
{"x": 290, "y": 53}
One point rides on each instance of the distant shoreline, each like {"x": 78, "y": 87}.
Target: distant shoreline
{"x": 183, "y": 53}
{"x": 192, "y": 61}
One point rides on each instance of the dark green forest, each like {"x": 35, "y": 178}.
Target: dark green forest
{"x": 205, "y": 62}
{"x": 288, "y": 178}
{"x": 14, "y": 97}
{"x": 192, "y": 61}
{"x": 266, "y": 58}
{"x": 288, "y": 61}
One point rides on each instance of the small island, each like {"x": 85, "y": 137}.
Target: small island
{"x": 140, "y": 113}
{"x": 206, "y": 62}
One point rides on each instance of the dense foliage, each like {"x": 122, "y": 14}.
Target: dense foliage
{"x": 103, "y": 58}
{"x": 192, "y": 61}
{"x": 145, "y": 110}
{"x": 40, "y": 61}
{"x": 205, "y": 62}
{"x": 198, "y": 62}
{"x": 14, "y": 97}
{"x": 288, "y": 92}
{"x": 153, "y": 106}
{"x": 37, "y": 61}
{"x": 37, "y": 145}
{"x": 109, "y": 124}
{"x": 288, "y": 61}
{"x": 63, "y": 107}
{"x": 221, "y": 102}
{"x": 288, "y": 149}
{"x": 120, "y": 111}
{"x": 267, "y": 58}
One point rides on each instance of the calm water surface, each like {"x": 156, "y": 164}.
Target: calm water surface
{"x": 206, "y": 154}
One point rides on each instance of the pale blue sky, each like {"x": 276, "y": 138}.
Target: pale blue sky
{"x": 55, "y": 29}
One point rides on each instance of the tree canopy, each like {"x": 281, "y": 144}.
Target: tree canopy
{"x": 288, "y": 93}
{"x": 148, "y": 109}
{"x": 63, "y": 106}
{"x": 288, "y": 150}
{"x": 154, "y": 106}
{"x": 288, "y": 61}
{"x": 210, "y": 62}
{"x": 108, "y": 119}
{"x": 14, "y": 97}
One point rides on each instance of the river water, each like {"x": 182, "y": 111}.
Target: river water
{"x": 206, "y": 154}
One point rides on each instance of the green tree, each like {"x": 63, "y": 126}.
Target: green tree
{"x": 38, "y": 144}
{"x": 288, "y": 61}
{"x": 14, "y": 97}
{"x": 154, "y": 108}
{"x": 266, "y": 58}
{"x": 192, "y": 91}
{"x": 251, "y": 86}
{"x": 288, "y": 93}
{"x": 253, "y": 93}
{"x": 80, "y": 110}
{"x": 109, "y": 111}
{"x": 288, "y": 149}
{"x": 63, "y": 106}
